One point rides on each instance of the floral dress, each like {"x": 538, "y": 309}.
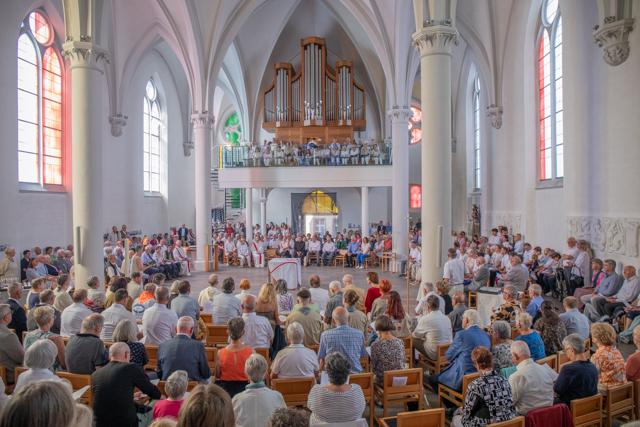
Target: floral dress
{"x": 36, "y": 335}
{"x": 502, "y": 356}
{"x": 611, "y": 369}
{"x": 386, "y": 355}
{"x": 552, "y": 335}
{"x": 285, "y": 303}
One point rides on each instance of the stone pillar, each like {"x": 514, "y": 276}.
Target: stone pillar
{"x": 249, "y": 215}
{"x": 400, "y": 194}
{"x": 263, "y": 211}
{"x": 203, "y": 127}
{"x": 365, "y": 211}
{"x": 435, "y": 44}
{"x": 87, "y": 66}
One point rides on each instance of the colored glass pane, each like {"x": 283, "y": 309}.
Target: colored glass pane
{"x": 39, "y": 27}
{"x": 415, "y": 194}
{"x": 416, "y": 136}
{"x": 28, "y": 120}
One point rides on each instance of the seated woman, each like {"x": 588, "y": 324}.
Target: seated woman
{"x": 578, "y": 379}
{"x": 63, "y": 299}
{"x": 175, "y": 387}
{"x": 245, "y": 286}
{"x": 37, "y": 286}
{"x": 528, "y": 335}
{"x": 551, "y": 329}
{"x": 379, "y": 305}
{"x": 387, "y": 353}
{"x": 32, "y": 273}
{"x": 488, "y": 399}
{"x": 357, "y": 319}
{"x": 39, "y": 359}
{"x": 44, "y": 317}
{"x": 633, "y": 361}
{"x": 442, "y": 289}
{"x": 395, "y": 311}
{"x": 115, "y": 284}
{"x": 267, "y": 304}
{"x": 174, "y": 292}
{"x": 231, "y": 359}
{"x": 596, "y": 277}
{"x": 338, "y": 401}
{"x": 285, "y": 299}
{"x": 127, "y": 333}
{"x": 207, "y": 405}
{"x": 607, "y": 359}
{"x": 365, "y": 253}
{"x": 501, "y": 333}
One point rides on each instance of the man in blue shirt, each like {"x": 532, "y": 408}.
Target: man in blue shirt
{"x": 342, "y": 339}
{"x": 609, "y": 286}
{"x": 535, "y": 292}
{"x": 352, "y": 251}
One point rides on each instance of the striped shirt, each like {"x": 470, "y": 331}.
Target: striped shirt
{"x": 335, "y": 407}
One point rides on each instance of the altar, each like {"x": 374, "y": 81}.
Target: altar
{"x": 288, "y": 269}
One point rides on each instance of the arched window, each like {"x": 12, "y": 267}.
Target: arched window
{"x": 39, "y": 103}
{"x": 232, "y": 129}
{"x": 550, "y": 92}
{"x": 415, "y": 126}
{"x": 476, "y": 130}
{"x": 151, "y": 145}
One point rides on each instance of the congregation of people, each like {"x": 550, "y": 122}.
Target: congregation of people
{"x": 324, "y": 335}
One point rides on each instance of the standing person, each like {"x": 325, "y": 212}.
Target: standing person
{"x": 182, "y": 234}
{"x": 24, "y": 264}
{"x": 373, "y": 292}
{"x": 9, "y": 268}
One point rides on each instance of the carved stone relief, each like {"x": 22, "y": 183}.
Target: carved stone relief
{"x": 510, "y": 220}
{"x": 609, "y": 235}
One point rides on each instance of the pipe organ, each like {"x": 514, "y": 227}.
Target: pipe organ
{"x": 316, "y": 102}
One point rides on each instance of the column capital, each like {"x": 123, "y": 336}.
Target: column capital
{"x": 118, "y": 122}
{"x": 187, "y": 146}
{"x": 85, "y": 54}
{"x": 400, "y": 115}
{"x": 495, "y": 114}
{"x": 614, "y": 37}
{"x": 435, "y": 40}
{"x": 202, "y": 120}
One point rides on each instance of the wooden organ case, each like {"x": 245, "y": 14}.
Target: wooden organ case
{"x": 317, "y": 102}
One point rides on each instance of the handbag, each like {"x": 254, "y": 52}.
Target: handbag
{"x": 576, "y": 280}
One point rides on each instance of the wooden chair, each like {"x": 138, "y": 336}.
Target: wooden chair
{"x": 152, "y": 352}
{"x": 552, "y": 361}
{"x": 453, "y": 396}
{"x": 24, "y": 334}
{"x": 206, "y": 318}
{"x": 77, "y": 382}
{"x": 473, "y": 300}
{"x": 587, "y": 412}
{"x": 264, "y": 352}
{"x": 364, "y": 362}
{"x": 12, "y": 330}
{"x": 340, "y": 257}
{"x": 515, "y": 333}
{"x": 315, "y": 348}
{"x": 271, "y": 254}
{"x": 514, "y": 422}
{"x": 161, "y": 384}
{"x": 26, "y": 308}
{"x": 18, "y": 370}
{"x": 212, "y": 353}
{"x": 426, "y": 418}
{"x": 435, "y": 366}
{"x": 563, "y": 360}
{"x": 216, "y": 335}
{"x": 368, "y": 261}
{"x": 411, "y": 392}
{"x": 587, "y": 348}
{"x": 636, "y": 390}
{"x": 365, "y": 381}
{"x": 295, "y": 391}
{"x": 408, "y": 349}
{"x": 619, "y": 403}
{"x": 388, "y": 262}
{"x": 363, "y": 310}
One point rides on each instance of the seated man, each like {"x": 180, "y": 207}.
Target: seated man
{"x": 47, "y": 298}
{"x": 299, "y": 250}
{"x": 535, "y": 293}
{"x": 518, "y": 275}
{"x": 627, "y": 293}
{"x": 574, "y": 321}
{"x": 11, "y": 351}
{"x": 209, "y": 293}
{"x": 84, "y": 353}
{"x": 459, "y": 353}
{"x": 335, "y": 289}
{"x": 315, "y": 249}
{"x": 244, "y": 254}
{"x": 230, "y": 251}
{"x": 73, "y": 315}
{"x": 328, "y": 250}
{"x": 254, "y": 406}
{"x": 295, "y": 361}
{"x": 18, "y": 315}
{"x": 352, "y": 251}
{"x": 427, "y": 289}
{"x": 158, "y": 322}
{"x": 347, "y": 341}
{"x": 170, "y": 261}
{"x": 415, "y": 258}
{"x": 258, "y": 332}
{"x": 432, "y": 330}
{"x": 308, "y": 319}
{"x": 578, "y": 379}
{"x": 183, "y": 353}
{"x": 226, "y": 305}
{"x": 184, "y": 305}
{"x": 113, "y": 388}
{"x": 481, "y": 276}
{"x": 116, "y": 313}
{"x": 510, "y": 308}
{"x": 96, "y": 298}
{"x": 531, "y": 384}
{"x": 180, "y": 255}
{"x": 459, "y": 307}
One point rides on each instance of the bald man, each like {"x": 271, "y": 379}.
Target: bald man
{"x": 258, "y": 332}
{"x": 347, "y": 341}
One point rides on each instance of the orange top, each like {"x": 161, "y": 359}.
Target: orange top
{"x": 232, "y": 364}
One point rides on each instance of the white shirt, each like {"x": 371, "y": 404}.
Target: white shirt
{"x": 436, "y": 327}
{"x": 573, "y": 252}
{"x": 208, "y": 294}
{"x": 296, "y": 361}
{"x": 315, "y": 246}
{"x": 159, "y": 325}
{"x": 35, "y": 375}
{"x": 415, "y": 254}
{"x": 518, "y": 247}
{"x": 421, "y": 308}
{"x": 329, "y": 247}
{"x": 72, "y": 318}
{"x": 112, "y": 316}
{"x": 527, "y": 256}
{"x": 254, "y": 406}
{"x": 179, "y": 254}
{"x": 229, "y": 246}
{"x": 532, "y": 386}
{"x": 495, "y": 240}
{"x": 134, "y": 289}
{"x": 257, "y": 331}
{"x": 320, "y": 296}
{"x": 454, "y": 270}
{"x": 243, "y": 249}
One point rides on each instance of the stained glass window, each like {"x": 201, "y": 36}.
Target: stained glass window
{"x": 415, "y": 126}
{"x": 232, "y": 129}
{"x": 151, "y": 139}
{"x": 39, "y": 104}
{"x": 476, "y": 131}
{"x": 550, "y": 93}
{"x": 415, "y": 196}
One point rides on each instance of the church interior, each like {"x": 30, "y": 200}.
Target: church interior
{"x": 232, "y": 137}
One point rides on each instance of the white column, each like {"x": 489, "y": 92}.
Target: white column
{"x": 263, "y": 211}
{"x": 203, "y": 127}
{"x": 87, "y": 62}
{"x": 365, "y": 211}
{"x": 435, "y": 44}
{"x": 400, "y": 168}
{"x": 249, "y": 214}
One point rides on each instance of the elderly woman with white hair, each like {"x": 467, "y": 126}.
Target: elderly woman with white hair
{"x": 295, "y": 361}
{"x": 254, "y": 406}
{"x": 39, "y": 359}
{"x": 176, "y": 390}
{"x": 9, "y": 268}
{"x": 44, "y": 317}
{"x": 127, "y": 333}
{"x": 501, "y": 333}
